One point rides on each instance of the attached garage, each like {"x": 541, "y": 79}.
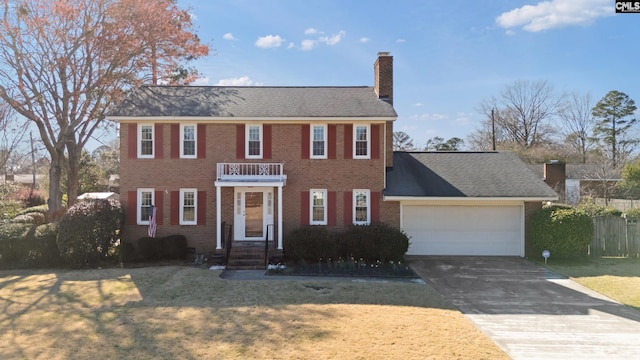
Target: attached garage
{"x": 464, "y": 203}
{"x": 495, "y": 230}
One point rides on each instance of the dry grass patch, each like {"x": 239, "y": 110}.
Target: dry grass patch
{"x": 188, "y": 313}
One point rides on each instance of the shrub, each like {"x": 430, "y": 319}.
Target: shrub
{"x": 29, "y": 218}
{"x": 28, "y": 245}
{"x": 594, "y": 210}
{"x": 632, "y": 214}
{"x": 88, "y": 232}
{"x": 172, "y": 247}
{"x": 310, "y": 243}
{"x": 565, "y": 232}
{"x": 375, "y": 242}
{"x": 9, "y": 209}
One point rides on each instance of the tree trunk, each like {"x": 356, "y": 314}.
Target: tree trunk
{"x": 55, "y": 190}
{"x": 73, "y": 172}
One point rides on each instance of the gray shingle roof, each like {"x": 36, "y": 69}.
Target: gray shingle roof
{"x": 253, "y": 102}
{"x": 464, "y": 174}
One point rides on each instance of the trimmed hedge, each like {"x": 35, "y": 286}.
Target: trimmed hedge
{"x": 566, "y": 232}
{"x": 28, "y": 246}
{"x": 89, "y": 232}
{"x": 371, "y": 243}
{"x": 172, "y": 247}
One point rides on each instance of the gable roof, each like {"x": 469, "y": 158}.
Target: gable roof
{"x": 464, "y": 175}
{"x": 252, "y": 102}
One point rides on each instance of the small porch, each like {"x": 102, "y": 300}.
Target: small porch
{"x": 257, "y": 204}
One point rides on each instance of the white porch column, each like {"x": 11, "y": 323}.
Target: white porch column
{"x": 280, "y": 217}
{"x": 218, "y": 219}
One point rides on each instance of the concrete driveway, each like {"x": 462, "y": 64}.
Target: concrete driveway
{"x": 530, "y": 312}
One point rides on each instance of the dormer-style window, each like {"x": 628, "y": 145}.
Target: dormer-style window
{"x": 188, "y": 136}
{"x": 319, "y": 142}
{"x": 145, "y": 141}
{"x": 254, "y": 142}
{"x": 361, "y": 143}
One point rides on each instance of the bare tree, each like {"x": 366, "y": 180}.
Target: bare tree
{"x": 402, "y": 141}
{"x": 12, "y": 132}
{"x": 522, "y": 114}
{"x": 578, "y": 123}
{"x": 64, "y": 62}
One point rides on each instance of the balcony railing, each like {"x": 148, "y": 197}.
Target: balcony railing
{"x": 250, "y": 172}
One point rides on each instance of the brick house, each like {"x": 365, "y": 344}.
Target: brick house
{"x": 271, "y": 159}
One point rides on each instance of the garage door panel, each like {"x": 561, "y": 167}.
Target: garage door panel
{"x": 464, "y": 230}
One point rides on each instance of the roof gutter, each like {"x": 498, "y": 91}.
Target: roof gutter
{"x": 468, "y": 199}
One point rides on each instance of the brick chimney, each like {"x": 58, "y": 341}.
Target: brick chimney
{"x": 555, "y": 176}
{"x": 383, "y": 77}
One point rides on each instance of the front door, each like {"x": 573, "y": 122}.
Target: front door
{"x": 253, "y": 209}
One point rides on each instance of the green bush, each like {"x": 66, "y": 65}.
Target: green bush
{"x": 594, "y": 210}
{"x": 28, "y": 246}
{"x": 371, "y": 243}
{"x": 29, "y": 218}
{"x": 632, "y": 214}
{"x": 377, "y": 241}
{"x": 89, "y": 232}
{"x": 9, "y": 209}
{"x": 565, "y": 232}
{"x": 172, "y": 247}
{"x": 310, "y": 244}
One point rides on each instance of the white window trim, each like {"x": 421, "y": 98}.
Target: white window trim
{"x": 311, "y": 221}
{"x": 195, "y": 141}
{"x": 139, "y": 204}
{"x": 355, "y": 135}
{"x": 246, "y": 141}
{"x": 368, "y": 193}
{"x": 324, "y": 156}
{"x": 195, "y": 207}
{"x": 153, "y": 142}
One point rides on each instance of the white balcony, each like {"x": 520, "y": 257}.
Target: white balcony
{"x": 251, "y": 172}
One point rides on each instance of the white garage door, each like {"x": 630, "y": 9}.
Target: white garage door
{"x": 464, "y": 230}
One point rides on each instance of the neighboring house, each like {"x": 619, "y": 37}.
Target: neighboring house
{"x": 99, "y": 196}
{"x": 575, "y": 181}
{"x": 26, "y": 180}
{"x": 271, "y": 159}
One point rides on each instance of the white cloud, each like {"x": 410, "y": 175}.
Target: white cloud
{"x": 239, "y": 81}
{"x": 269, "y": 41}
{"x": 311, "y": 31}
{"x": 200, "y": 81}
{"x": 229, "y": 36}
{"x": 307, "y": 44}
{"x": 364, "y": 40}
{"x": 291, "y": 45}
{"x": 418, "y": 104}
{"x": 427, "y": 116}
{"x": 555, "y": 14}
{"x": 399, "y": 41}
{"x": 334, "y": 39}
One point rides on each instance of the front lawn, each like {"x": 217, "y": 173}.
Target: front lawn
{"x": 617, "y": 278}
{"x": 179, "y": 312}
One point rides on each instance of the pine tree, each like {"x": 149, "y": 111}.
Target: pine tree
{"x": 612, "y": 114}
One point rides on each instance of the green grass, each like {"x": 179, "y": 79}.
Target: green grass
{"x": 617, "y": 278}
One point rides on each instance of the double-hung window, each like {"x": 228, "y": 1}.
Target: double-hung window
{"x": 361, "y": 207}
{"x": 188, "y": 141}
{"x": 361, "y": 142}
{"x": 318, "y": 214}
{"x": 319, "y": 142}
{"x": 254, "y": 141}
{"x": 145, "y": 141}
{"x": 145, "y": 203}
{"x": 188, "y": 206}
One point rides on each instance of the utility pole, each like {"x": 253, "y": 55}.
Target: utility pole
{"x": 493, "y": 130}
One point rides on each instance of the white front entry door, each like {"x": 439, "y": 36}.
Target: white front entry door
{"x": 253, "y": 209}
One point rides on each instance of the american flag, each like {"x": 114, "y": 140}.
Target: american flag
{"x": 152, "y": 222}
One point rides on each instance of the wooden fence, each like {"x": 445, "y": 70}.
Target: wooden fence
{"x": 615, "y": 236}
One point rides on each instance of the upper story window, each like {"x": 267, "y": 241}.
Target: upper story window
{"x": 188, "y": 206}
{"x": 318, "y": 207}
{"x": 145, "y": 141}
{"x": 188, "y": 141}
{"x": 361, "y": 143}
{"x": 319, "y": 142}
{"x": 361, "y": 206}
{"x": 254, "y": 142}
{"x": 144, "y": 206}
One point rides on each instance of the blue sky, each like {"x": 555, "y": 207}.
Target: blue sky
{"x": 448, "y": 55}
